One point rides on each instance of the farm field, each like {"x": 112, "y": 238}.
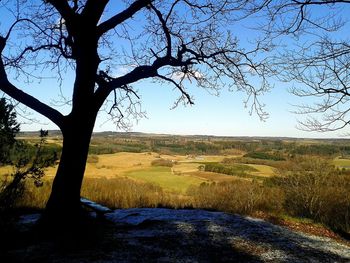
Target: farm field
{"x": 187, "y": 169}
{"x": 342, "y": 163}
{"x": 138, "y": 166}
{"x": 263, "y": 170}
{"x": 235, "y": 175}
{"x": 166, "y": 179}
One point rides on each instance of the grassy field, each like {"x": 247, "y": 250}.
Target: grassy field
{"x": 176, "y": 179}
{"x": 342, "y": 163}
{"x": 174, "y": 172}
{"x": 263, "y": 170}
{"x": 6, "y": 170}
{"x": 138, "y": 167}
{"x": 181, "y": 168}
{"x": 168, "y": 181}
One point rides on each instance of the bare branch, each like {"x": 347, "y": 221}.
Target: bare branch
{"x": 165, "y": 29}
{"x": 28, "y": 100}
{"x": 63, "y": 7}
{"x": 179, "y": 87}
{"x": 122, "y": 16}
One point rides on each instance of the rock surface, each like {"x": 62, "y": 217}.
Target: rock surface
{"x": 165, "y": 235}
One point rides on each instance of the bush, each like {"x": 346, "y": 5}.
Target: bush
{"x": 26, "y": 167}
{"x": 163, "y": 162}
{"x": 114, "y": 193}
{"x": 315, "y": 189}
{"x": 8, "y": 130}
{"x": 122, "y": 193}
{"x": 239, "y": 196}
{"x": 92, "y": 158}
{"x": 236, "y": 169}
{"x": 34, "y": 197}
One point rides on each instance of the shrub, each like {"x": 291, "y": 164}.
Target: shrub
{"x": 121, "y": 193}
{"x": 239, "y": 196}
{"x": 35, "y": 197}
{"x": 25, "y": 168}
{"x": 315, "y": 189}
{"x": 92, "y": 158}
{"x": 163, "y": 162}
{"x": 236, "y": 169}
{"x": 8, "y": 130}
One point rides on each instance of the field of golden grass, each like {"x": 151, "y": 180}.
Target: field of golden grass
{"x": 135, "y": 171}
{"x": 163, "y": 177}
{"x": 263, "y": 170}
{"x": 342, "y": 163}
{"x": 125, "y": 180}
{"x": 138, "y": 167}
{"x": 6, "y": 170}
{"x": 113, "y": 165}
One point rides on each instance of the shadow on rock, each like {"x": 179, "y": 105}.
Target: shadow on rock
{"x": 165, "y": 235}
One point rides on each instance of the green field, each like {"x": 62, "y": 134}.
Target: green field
{"x": 342, "y": 163}
{"x": 248, "y": 175}
{"x": 163, "y": 177}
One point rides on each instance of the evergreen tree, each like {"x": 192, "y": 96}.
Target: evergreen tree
{"x": 8, "y": 130}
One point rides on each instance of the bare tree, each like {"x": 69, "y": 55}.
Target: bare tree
{"x": 319, "y": 63}
{"x": 169, "y": 41}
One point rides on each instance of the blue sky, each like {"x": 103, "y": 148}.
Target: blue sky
{"x": 211, "y": 115}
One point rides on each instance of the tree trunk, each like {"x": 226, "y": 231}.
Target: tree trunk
{"x": 64, "y": 206}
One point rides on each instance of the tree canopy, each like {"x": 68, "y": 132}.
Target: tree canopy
{"x": 168, "y": 41}
{"x": 318, "y": 61}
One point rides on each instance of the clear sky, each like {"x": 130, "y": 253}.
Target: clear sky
{"x": 211, "y": 115}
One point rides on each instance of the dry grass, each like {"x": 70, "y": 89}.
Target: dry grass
{"x": 342, "y": 163}
{"x": 129, "y": 180}
{"x": 113, "y": 192}
{"x": 239, "y": 196}
{"x": 312, "y": 189}
{"x": 122, "y": 193}
{"x": 307, "y": 188}
{"x": 35, "y": 197}
{"x": 182, "y": 168}
{"x": 6, "y": 170}
{"x": 126, "y": 193}
{"x": 263, "y": 170}
{"x": 121, "y": 164}
{"x": 113, "y": 165}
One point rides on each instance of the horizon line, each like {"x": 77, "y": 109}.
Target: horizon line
{"x": 201, "y": 135}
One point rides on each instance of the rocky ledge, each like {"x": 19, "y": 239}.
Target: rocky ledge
{"x": 165, "y": 235}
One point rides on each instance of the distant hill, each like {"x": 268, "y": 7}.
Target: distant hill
{"x": 113, "y": 134}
